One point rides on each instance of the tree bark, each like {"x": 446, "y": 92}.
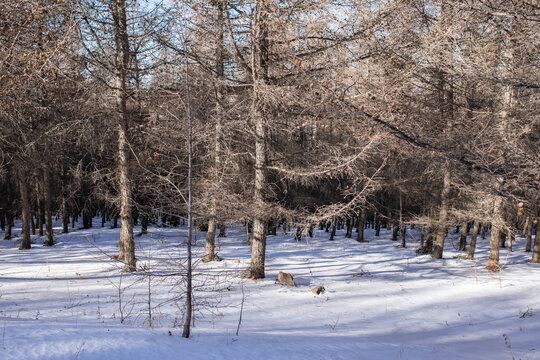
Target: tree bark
{"x": 349, "y": 227}
{"x": 9, "y": 225}
{"x": 529, "y": 233}
{"x": 361, "y": 221}
{"x": 260, "y": 77}
{"x": 210, "y": 242}
{"x": 298, "y": 235}
{"x": 127, "y": 242}
{"x": 333, "y": 232}
{"x": 463, "y": 237}
{"x": 496, "y": 231}
{"x": 443, "y": 215}
{"x": 65, "y": 217}
{"x": 47, "y": 203}
{"x": 144, "y": 224}
{"x": 25, "y": 210}
{"x": 474, "y": 235}
{"x": 395, "y": 229}
{"x": 536, "y": 248}
{"x": 422, "y": 235}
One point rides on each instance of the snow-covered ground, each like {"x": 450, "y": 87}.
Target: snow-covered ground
{"x": 381, "y": 301}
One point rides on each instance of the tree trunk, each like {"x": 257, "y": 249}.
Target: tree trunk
{"x": 536, "y": 248}
{"x": 272, "y": 227}
{"x": 474, "y": 235}
{"x": 65, "y": 217}
{"x": 222, "y": 230}
{"x": 298, "y": 235}
{"x": 39, "y": 213}
{"x": 511, "y": 237}
{"x": 496, "y": 231}
{"x": 25, "y": 210}
{"x": 377, "y": 225}
{"x": 259, "y": 78}
{"x": 127, "y": 242}
{"x": 47, "y": 203}
{"x": 334, "y": 226}
{"x": 189, "y": 273}
{"x": 463, "y": 237}
{"x": 349, "y": 227}
{"x": 484, "y": 230}
{"x": 210, "y": 242}
{"x": 144, "y": 224}
{"x": 32, "y": 223}
{"x": 529, "y": 233}
{"x": 422, "y": 235}
{"x": 443, "y": 215}
{"x": 361, "y": 221}
{"x": 395, "y": 229}
{"x": 429, "y": 240}
{"x": 9, "y": 225}
{"x": 403, "y": 233}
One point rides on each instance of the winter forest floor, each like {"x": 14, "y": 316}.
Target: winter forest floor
{"x": 381, "y": 301}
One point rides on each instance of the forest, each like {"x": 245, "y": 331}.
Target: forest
{"x": 192, "y": 143}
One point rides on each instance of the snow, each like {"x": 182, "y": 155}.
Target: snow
{"x": 381, "y": 301}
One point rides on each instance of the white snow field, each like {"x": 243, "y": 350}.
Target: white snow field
{"x": 381, "y": 301}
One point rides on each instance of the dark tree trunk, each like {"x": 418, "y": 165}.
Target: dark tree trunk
{"x": 395, "y": 229}
{"x": 463, "y": 237}
{"x": 349, "y": 227}
{"x": 334, "y": 226}
{"x": 403, "y": 233}
{"x": 9, "y": 225}
{"x": 135, "y": 217}
{"x": 429, "y": 240}
{"x": 298, "y": 235}
{"x": 25, "y": 210}
{"x": 474, "y": 235}
{"x": 529, "y": 234}
{"x": 502, "y": 238}
{"x": 144, "y": 225}
{"x": 536, "y": 248}
{"x": 87, "y": 219}
{"x": 484, "y": 230}
{"x": 65, "y": 217}
{"x": 222, "y": 230}
{"x": 40, "y": 218}
{"x": 47, "y": 203}
{"x": 377, "y": 225}
{"x": 32, "y": 223}
{"x": 361, "y": 221}
{"x": 422, "y": 235}
{"x": 272, "y": 227}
